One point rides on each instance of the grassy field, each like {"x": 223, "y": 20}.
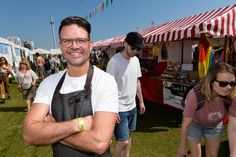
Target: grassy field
{"x": 157, "y": 132}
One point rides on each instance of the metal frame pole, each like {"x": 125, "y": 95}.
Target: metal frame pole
{"x": 53, "y": 32}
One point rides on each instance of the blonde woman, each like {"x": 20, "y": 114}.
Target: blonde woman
{"x": 207, "y": 122}
{"x": 26, "y": 80}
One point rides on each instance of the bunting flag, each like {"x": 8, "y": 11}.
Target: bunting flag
{"x": 106, "y": 3}
{"x": 93, "y": 14}
{"x": 101, "y": 7}
{"x": 98, "y": 9}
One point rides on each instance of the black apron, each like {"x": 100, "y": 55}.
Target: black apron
{"x": 70, "y": 106}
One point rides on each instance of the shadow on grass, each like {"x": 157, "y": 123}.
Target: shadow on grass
{"x": 224, "y": 149}
{"x": 12, "y": 109}
{"x": 2, "y": 101}
{"x": 158, "y": 116}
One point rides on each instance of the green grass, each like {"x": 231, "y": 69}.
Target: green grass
{"x": 157, "y": 133}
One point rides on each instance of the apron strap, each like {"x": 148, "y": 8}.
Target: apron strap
{"x": 88, "y": 84}
{"x": 60, "y": 82}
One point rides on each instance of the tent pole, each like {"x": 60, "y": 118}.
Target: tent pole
{"x": 182, "y": 56}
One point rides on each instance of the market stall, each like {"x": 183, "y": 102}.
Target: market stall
{"x": 170, "y": 65}
{"x": 160, "y": 71}
{"x": 214, "y": 26}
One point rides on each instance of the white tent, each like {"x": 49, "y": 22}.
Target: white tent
{"x": 6, "y": 50}
{"x": 13, "y": 52}
{"x": 5, "y": 41}
{"x": 40, "y": 51}
{"x": 56, "y": 51}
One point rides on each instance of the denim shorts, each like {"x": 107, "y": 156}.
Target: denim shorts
{"x": 196, "y": 132}
{"x": 127, "y": 124}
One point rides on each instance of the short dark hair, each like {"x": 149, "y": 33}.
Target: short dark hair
{"x": 79, "y": 21}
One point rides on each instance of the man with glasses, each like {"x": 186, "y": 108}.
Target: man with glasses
{"x": 75, "y": 110}
{"x": 125, "y": 67}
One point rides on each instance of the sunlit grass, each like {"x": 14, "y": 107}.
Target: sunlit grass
{"x": 157, "y": 133}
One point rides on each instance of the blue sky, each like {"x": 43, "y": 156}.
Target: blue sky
{"x": 29, "y": 19}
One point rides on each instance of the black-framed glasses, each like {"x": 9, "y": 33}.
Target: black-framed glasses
{"x": 134, "y": 48}
{"x": 226, "y": 83}
{"x": 79, "y": 41}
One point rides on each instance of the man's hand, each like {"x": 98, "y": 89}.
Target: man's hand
{"x": 118, "y": 118}
{"x": 142, "y": 108}
{"x": 88, "y": 122}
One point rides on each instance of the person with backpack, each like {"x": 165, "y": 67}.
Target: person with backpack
{"x": 232, "y": 126}
{"x": 206, "y": 105}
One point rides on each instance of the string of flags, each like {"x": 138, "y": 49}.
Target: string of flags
{"x": 99, "y": 8}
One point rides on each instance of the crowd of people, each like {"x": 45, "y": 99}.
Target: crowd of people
{"x": 79, "y": 108}
{"x": 48, "y": 65}
{"x": 27, "y": 74}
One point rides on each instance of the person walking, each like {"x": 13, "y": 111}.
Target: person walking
{"x": 206, "y": 120}
{"x": 75, "y": 109}
{"x": 26, "y": 81}
{"x": 52, "y": 62}
{"x": 125, "y": 67}
{"x": 40, "y": 66}
{"x": 6, "y": 70}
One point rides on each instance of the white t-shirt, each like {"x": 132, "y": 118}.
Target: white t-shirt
{"x": 52, "y": 62}
{"x": 126, "y": 73}
{"x": 104, "y": 89}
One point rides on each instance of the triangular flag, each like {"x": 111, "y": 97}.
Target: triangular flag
{"x": 106, "y": 3}
{"x": 92, "y": 13}
{"x": 103, "y": 6}
{"x": 98, "y": 7}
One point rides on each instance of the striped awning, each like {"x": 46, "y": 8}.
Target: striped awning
{"x": 115, "y": 42}
{"x": 102, "y": 44}
{"x": 218, "y": 22}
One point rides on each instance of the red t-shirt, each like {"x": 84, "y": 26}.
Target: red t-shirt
{"x": 211, "y": 114}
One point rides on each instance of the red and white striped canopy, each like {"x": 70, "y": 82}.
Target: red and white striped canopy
{"x": 103, "y": 43}
{"x": 218, "y": 22}
{"x": 116, "y": 41}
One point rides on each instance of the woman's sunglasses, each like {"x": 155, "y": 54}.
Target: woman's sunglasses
{"x": 226, "y": 83}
